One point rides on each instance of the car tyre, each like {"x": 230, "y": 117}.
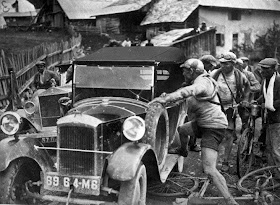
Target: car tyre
{"x": 157, "y": 131}
{"x": 133, "y": 192}
{"x": 12, "y": 189}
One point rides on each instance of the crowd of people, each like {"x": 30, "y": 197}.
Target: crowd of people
{"x": 217, "y": 91}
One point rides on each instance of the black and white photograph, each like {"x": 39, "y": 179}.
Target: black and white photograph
{"x": 140, "y": 102}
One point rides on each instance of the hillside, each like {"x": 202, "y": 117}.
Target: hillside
{"x": 12, "y": 42}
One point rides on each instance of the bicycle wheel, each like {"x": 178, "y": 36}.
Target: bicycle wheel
{"x": 245, "y": 156}
{"x": 264, "y": 175}
{"x": 177, "y": 184}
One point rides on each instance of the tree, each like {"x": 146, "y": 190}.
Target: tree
{"x": 269, "y": 43}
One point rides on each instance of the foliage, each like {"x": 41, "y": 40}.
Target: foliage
{"x": 269, "y": 43}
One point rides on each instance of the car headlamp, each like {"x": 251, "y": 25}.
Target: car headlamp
{"x": 134, "y": 128}
{"x": 29, "y": 107}
{"x": 10, "y": 123}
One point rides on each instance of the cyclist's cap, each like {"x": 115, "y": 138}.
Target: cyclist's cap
{"x": 40, "y": 63}
{"x": 209, "y": 59}
{"x": 268, "y": 62}
{"x": 229, "y": 56}
{"x": 244, "y": 58}
{"x": 194, "y": 64}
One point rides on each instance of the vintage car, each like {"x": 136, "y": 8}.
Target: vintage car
{"x": 109, "y": 141}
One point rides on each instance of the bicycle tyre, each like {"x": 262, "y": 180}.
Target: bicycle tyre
{"x": 244, "y": 159}
{"x": 272, "y": 185}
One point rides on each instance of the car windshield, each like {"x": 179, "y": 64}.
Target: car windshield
{"x": 114, "y": 77}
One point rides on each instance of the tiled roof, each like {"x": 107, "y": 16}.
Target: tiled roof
{"x": 179, "y": 10}
{"x": 87, "y": 9}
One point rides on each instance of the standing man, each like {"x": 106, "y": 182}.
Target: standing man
{"x": 233, "y": 89}
{"x": 255, "y": 87}
{"x": 209, "y": 120}
{"x": 270, "y": 99}
{"x": 45, "y": 79}
{"x": 210, "y": 62}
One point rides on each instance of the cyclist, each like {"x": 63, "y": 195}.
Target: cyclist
{"x": 233, "y": 89}
{"x": 270, "y": 100}
{"x": 211, "y": 122}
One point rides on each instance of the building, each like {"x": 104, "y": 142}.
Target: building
{"x": 16, "y": 13}
{"x": 110, "y": 16}
{"x": 237, "y": 22}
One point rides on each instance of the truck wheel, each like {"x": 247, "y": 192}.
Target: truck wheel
{"x": 12, "y": 182}
{"x": 133, "y": 192}
{"x": 157, "y": 131}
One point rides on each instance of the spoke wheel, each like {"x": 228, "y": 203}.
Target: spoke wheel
{"x": 177, "y": 184}
{"x": 266, "y": 174}
{"x": 245, "y": 157}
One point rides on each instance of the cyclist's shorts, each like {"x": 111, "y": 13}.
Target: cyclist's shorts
{"x": 211, "y": 137}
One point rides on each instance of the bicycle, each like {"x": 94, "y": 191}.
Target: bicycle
{"x": 259, "y": 184}
{"x": 248, "y": 145}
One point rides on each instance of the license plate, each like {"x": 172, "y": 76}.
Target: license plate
{"x": 81, "y": 184}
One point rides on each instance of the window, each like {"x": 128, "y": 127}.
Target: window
{"x": 220, "y": 39}
{"x": 235, "y": 40}
{"x": 234, "y": 15}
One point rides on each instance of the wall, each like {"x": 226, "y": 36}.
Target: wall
{"x": 252, "y": 22}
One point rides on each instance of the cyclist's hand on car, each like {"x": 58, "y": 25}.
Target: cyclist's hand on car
{"x": 159, "y": 100}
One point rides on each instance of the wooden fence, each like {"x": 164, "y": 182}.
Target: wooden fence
{"x": 23, "y": 64}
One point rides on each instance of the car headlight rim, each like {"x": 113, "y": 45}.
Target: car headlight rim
{"x": 134, "y": 128}
{"x": 8, "y": 125}
{"x": 28, "y": 111}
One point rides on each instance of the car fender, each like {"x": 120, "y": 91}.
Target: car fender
{"x": 11, "y": 149}
{"x": 124, "y": 162}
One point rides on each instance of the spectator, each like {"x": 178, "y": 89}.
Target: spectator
{"x": 270, "y": 99}
{"x": 255, "y": 87}
{"x": 210, "y": 122}
{"x": 45, "y": 79}
{"x": 210, "y": 63}
{"x": 233, "y": 88}
{"x": 126, "y": 43}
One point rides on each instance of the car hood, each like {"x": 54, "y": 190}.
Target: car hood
{"x": 94, "y": 111}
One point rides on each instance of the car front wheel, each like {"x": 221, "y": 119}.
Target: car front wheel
{"x": 13, "y": 179}
{"x": 133, "y": 192}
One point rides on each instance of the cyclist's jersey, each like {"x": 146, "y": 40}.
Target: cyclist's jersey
{"x": 206, "y": 113}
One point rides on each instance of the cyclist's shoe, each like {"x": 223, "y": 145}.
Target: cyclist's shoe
{"x": 225, "y": 167}
{"x": 195, "y": 148}
{"x": 179, "y": 151}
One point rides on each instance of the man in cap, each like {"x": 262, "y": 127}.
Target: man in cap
{"x": 209, "y": 121}
{"x": 45, "y": 79}
{"x": 255, "y": 87}
{"x": 210, "y": 63}
{"x": 233, "y": 88}
{"x": 270, "y": 99}
{"x": 247, "y": 67}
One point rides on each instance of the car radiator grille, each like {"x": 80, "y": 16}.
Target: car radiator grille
{"x": 76, "y": 162}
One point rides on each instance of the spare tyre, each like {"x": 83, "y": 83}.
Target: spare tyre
{"x": 157, "y": 131}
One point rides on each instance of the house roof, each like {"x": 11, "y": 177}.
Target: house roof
{"x": 179, "y": 10}
{"x": 168, "y": 38}
{"x": 88, "y": 9}
{"x": 19, "y": 14}
{"x": 25, "y": 8}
